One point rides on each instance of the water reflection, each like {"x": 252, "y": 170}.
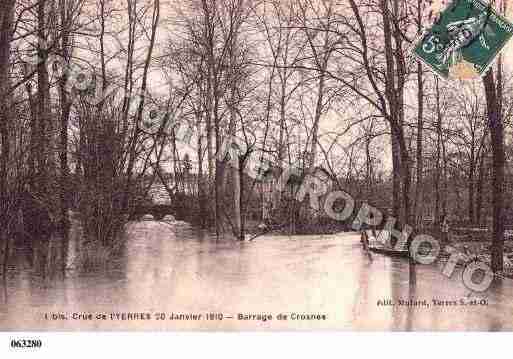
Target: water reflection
{"x": 175, "y": 268}
{"x": 4, "y": 290}
{"x": 412, "y": 295}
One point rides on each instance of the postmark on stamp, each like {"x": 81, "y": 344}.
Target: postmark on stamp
{"x": 464, "y": 40}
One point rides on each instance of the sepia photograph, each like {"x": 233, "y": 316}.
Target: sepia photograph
{"x": 255, "y": 166}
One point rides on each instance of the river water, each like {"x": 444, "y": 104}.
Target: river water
{"x": 173, "y": 268}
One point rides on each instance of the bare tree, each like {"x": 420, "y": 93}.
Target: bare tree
{"x": 6, "y": 24}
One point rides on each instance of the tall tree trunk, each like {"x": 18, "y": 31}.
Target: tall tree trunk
{"x": 235, "y": 164}
{"x": 43, "y": 103}
{"x": 497, "y": 142}
{"x": 396, "y": 178}
{"x": 201, "y": 178}
{"x": 419, "y": 189}
{"x": 282, "y": 123}
{"x": 439, "y": 145}
{"x": 232, "y": 128}
{"x": 445, "y": 176}
{"x": 369, "y": 172}
{"x": 394, "y": 91}
{"x": 44, "y": 153}
{"x": 317, "y": 117}
{"x": 63, "y": 151}
{"x": 237, "y": 198}
{"x": 406, "y": 177}
{"x": 420, "y": 162}
{"x": 6, "y": 20}
{"x": 241, "y": 202}
{"x": 480, "y": 184}
{"x": 471, "y": 189}
{"x": 208, "y": 125}
{"x": 211, "y": 107}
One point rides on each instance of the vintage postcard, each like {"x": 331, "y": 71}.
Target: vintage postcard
{"x": 241, "y": 165}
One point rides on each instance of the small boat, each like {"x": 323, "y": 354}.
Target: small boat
{"x": 390, "y": 251}
{"x": 380, "y": 243}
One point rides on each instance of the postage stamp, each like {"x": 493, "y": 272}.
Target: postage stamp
{"x": 464, "y": 40}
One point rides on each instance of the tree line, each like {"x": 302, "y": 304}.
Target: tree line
{"x": 102, "y": 99}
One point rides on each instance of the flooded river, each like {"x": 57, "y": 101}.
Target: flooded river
{"x": 170, "y": 270}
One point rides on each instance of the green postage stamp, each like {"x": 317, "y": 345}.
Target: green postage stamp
{"x": 465, "y": 40}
